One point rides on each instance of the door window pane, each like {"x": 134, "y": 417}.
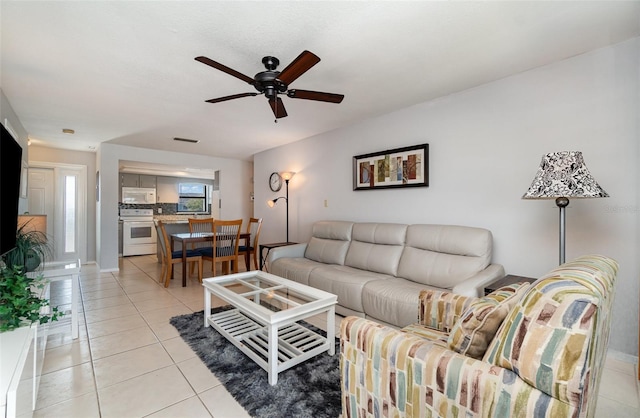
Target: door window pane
{"x": 69, "y": 214}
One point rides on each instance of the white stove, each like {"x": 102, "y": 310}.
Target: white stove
{"x": 138, "y": 232}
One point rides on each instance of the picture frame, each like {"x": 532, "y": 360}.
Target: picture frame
{"x": 394, "y": 168}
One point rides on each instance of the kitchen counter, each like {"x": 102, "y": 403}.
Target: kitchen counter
{"x": 177, "y": 219}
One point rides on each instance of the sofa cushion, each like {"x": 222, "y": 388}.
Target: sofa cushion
{"x": 376, "y": 247}
{"x": 477, "y": 326}
{"x": 296, "y": 269}
{"x": 444, "y": 255}
{"x": 329, "y": 242}
{"x": 345, "y": 282}
{"x": 393, "y": 301}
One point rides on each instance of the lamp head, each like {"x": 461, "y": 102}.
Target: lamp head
{"x": 287, "y": 175}
{"x": 272, "y": 203}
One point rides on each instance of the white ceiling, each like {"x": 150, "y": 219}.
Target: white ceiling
{"x": 124, "y": 71}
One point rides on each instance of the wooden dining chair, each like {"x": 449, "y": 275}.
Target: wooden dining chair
{"x": 174, "y": 257}
{"x": 226, "y": 238}
{"x": 251, "y": 247}
{"x": 200, "y": 225}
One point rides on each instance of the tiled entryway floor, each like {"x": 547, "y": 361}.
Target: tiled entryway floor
{"x": 130, "y": 362}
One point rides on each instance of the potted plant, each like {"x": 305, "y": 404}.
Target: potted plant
{"x": 30, "y": 250}
{"x": 20, "y": 301}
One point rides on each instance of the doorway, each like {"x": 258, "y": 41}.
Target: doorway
{"x": 59, "y": 191}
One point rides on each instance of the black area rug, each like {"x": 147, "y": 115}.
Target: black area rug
{"x": 310, "y": 389}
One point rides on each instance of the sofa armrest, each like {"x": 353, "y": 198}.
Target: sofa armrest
{"x": 440, "y": 310}
{"x": 383, "y": 369}
{"x": 287, "y": 251}
{"x": 474, "y": 286}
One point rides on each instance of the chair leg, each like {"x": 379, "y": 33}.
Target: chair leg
{"x": 255, "y": 259}
{"x": 168, "y": 276}
{"x": 234, "y": 265}
{"x": 247, "y": 260}
{"x": 200, "y": 269}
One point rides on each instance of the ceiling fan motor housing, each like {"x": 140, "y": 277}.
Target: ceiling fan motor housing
{"x": 267, "y": 82}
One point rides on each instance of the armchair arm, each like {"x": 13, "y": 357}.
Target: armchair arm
{"x": 383, "y": 369}
{"x": 289, "y": 251}
{"x": 474, "y": 285}
{"x": 441, "y": 309}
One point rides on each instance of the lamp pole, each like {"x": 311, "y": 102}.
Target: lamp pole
{"x": 562, "y": 203}
{"x": 286, "y": 181}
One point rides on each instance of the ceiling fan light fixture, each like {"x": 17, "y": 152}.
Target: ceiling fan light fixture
{"x": 191, "y": 141}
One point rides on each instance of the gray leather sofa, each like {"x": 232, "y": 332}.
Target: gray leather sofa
{"x": 377, "y": 270}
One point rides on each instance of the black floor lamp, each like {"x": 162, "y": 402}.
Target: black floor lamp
{"x": 563, "y": 175}
{"x": 286, "y": 176}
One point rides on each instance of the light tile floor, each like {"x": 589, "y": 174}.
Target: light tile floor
{"x": 130, "y": 362}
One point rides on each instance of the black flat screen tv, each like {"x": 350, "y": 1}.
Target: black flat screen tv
{"x": 10, "y": 166}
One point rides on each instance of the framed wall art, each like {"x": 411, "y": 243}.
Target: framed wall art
{"x": 400, "y": 167}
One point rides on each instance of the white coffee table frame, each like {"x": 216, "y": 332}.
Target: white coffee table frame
{"x": 264, "y": 334}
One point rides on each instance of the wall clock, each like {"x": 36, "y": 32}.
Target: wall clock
{"x": 275, "y": 182}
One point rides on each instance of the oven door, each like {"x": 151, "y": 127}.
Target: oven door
{"x": 138, "y": 238}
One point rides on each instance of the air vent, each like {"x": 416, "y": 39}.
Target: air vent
{"x": 192, "y": 141}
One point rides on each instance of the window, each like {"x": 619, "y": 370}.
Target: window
{"x": 192, "y": 198}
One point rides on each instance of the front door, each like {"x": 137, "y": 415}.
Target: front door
{"x": 58, "y": 191}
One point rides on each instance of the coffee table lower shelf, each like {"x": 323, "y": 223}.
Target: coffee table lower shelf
{"x": 294, "y": 342}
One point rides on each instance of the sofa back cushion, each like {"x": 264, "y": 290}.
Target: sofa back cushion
{"x": 376, "y": 247}
{"x": 556, "y": 336}
{"x": 444, "y": 255}
{"x": 329, "y": 242}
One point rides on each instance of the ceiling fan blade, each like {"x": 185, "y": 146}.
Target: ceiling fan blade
{"x": 299, "y": 66}
{"x": 278, "y": 108}
{"x": 315, "y": 95}
{"x": 233, "y": 96}
{"x": 225, "y": 69}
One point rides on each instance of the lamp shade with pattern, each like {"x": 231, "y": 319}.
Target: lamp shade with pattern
{"x": 563, "y": 175}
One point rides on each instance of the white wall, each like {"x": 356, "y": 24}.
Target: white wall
{"x": 485, "y": 146}
{"x": 235, "y": 189}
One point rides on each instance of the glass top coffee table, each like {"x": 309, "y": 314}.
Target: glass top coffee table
{"x": 264, "y": 321}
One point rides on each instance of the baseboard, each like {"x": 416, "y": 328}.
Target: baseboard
{"x": 620, "y": 356}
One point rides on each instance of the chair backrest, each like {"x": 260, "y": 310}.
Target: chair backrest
{"x": 226, "y": 238}
{"x": 557, "y": 335}
{"x": 254, "y": 227}
{"x": 162, "y": 235}
{"x": 201, "y": 225}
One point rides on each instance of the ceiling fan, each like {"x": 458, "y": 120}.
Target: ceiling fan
{"x": 271, "y": 83}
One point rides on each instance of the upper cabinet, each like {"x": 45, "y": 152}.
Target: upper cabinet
{"x": 137, "y": 180}
{"x": 167, "y": 190}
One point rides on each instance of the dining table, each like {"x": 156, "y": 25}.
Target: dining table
{"x": 186, "y": 238}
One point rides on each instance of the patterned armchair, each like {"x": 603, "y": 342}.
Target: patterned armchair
{"x": 522, "y": 351}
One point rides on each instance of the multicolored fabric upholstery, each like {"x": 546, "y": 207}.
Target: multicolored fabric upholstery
{"x": 477, "y": 326}
{"x": 544, "y": 361}
{"x": 441, "y": 310}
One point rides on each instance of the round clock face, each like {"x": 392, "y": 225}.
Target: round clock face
{"x": 275, "y": 182}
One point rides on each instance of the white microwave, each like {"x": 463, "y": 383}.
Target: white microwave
{"x": 138, "y": 195}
